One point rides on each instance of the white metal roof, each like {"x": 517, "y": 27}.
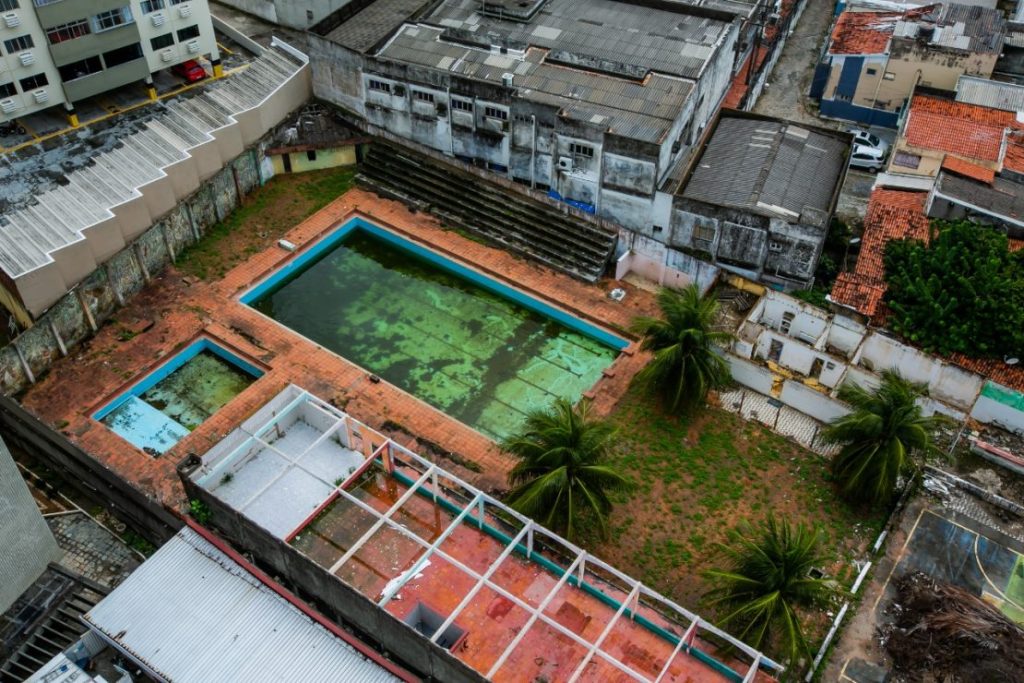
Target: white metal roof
{"x": 191, "y": 613}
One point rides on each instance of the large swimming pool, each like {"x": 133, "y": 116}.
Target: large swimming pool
{"x": 480, "y": 351}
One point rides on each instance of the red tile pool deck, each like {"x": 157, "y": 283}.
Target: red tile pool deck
{"x": 182, "y": 309}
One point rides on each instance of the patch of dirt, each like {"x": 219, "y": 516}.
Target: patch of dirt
{"x": 264, "y": 217}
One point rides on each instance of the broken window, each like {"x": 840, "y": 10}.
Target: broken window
{"x": 816, "y": 367}
{"x": 704, "y": 233}
{"x": 495, "y": 113}
{"x": 775, "y": 350}
{"x": 787, "y": 321}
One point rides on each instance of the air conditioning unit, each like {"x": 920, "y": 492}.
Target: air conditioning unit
{"x": 27, "y": 58}
{"x": 12, "y": 20}
{"x": 41, "y": 96}
{"x": 185, "y": 10}
{"x": 565, "y": 164}
{"x": 158, "y": 18}
{"x": 167, "y": 55}
{"x": 193, "y": 46}
{"x": 8, "y": 105}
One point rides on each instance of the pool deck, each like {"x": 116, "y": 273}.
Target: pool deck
{"x": 174, "y": 310}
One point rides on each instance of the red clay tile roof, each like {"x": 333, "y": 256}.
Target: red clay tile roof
{"x": 863, "y": 33}
{"x": 891, "y": 214}
{"x": 968, "y": 170}
{"x": 859, "y": 292}
{"x": 965, "y": 130}
{"x": 1011, "y": 376}
{"x": 1013, "y": 160}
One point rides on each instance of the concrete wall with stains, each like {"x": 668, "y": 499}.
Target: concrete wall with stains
{"x": 80, "y": 312}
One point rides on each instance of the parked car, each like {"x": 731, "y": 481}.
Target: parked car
{"x": 191, "y": 71}
{"x": 867, "y": 158}
{"x": 868, "y": 139}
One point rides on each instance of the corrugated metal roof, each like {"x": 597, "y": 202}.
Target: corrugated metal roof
{"x": 986, "y": 93}
{"x": 768, "y": 167}
{"x": 190, "y": 613}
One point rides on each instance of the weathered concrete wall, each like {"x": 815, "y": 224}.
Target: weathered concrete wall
{"x": 810, "y": 402}
{"x": 28, "y": 546}
{"x": 1000, "y": 406}
{"x": 80, "y": 312}
{"x": 757, "y": 377}
{"x": 24, "y": 431}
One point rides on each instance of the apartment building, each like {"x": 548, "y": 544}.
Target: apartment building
{"x": 58, "y": 52}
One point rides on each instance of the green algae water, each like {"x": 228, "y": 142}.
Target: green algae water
{"x": 197, "y": 389}
{"x": 479, "y": 357}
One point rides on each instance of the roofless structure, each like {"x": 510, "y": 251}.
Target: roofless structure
{"x": 457, "y": 585}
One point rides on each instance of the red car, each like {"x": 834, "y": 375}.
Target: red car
{"x": 191, "y": 71}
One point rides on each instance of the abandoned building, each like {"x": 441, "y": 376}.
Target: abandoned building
{"x": 556, "y": 95}
{"x": 387, "y": 540}
{"x": 760, "y": 198}
{"x": 873, "y": 60}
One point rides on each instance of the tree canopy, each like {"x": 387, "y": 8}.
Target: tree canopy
{"x": 962, "y": 292}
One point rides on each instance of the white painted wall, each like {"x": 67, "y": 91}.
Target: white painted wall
{"x": 12, "y": 70}
{"x": 750, "y": 375}
{"x": 170, "y": 20}
{"x": 811, "y": 402}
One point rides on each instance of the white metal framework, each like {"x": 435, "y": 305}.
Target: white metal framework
{"x": 394, "y": 457}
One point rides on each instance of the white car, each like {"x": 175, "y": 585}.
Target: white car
{"x": 869, "y": 152}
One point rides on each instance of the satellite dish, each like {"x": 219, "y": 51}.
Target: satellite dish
{"x": 1012, "y": 360}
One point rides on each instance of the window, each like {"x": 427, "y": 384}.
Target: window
{"x": 309, "y": 15}
{"x": 188, "y": 33}
{"x": 160, "y": 42}
{"x": 178, "y": 2}
{"x": 152, "y": 6}
{"x": 423, "y": 96}
{"x": 311, "y": 155}
{"x": 380, "y": 86}
{"x": 495, "y": 113}
{"x": 122, "y": 55}
{"x": 7, "y": 90}
{"x": 704, "y": 233}
{"x": 18, "y": 44}
{"x": 581, "y": 151}
{"x": 889, "y": 76}
{"x": 872, "y": 72}
{"x": 68, "y": 31}
{"x": 774, "y": 246}
{"x": 84, "y": 67}
{"x": 8, "y": 5}
{"x": 104, "y": 21}
{"x": 33, "y": 82}
{"x": 907, "y": 160}
{"x": 461, "y": 105}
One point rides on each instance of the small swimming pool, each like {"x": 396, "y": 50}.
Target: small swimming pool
{"x": 480, "y": 351}
{"x": 162, "y": 408}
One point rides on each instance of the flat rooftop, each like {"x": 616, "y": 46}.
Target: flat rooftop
{"x": 621, "y": 66}
{"x": 504, "y": 595}
{"x": 770, "y": 167}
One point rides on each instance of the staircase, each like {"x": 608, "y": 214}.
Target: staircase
{"x": 499, "y": 215}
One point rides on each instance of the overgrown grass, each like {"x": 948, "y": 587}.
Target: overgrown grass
{"x": 696, "y": 477}
{"x": 267, "y": 214}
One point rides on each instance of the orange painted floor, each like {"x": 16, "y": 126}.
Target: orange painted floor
{"x": 490, "y": 621}
{"x": 180, "y": 309}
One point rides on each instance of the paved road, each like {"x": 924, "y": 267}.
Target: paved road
{"x": 786, "y": 94}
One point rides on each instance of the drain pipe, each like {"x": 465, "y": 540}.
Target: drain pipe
{"x": 533, "y": 152}
{"x": 451, "y": 132}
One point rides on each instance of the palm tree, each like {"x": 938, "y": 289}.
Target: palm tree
{"x": 879, "y": 438}
{"x": 561, "y": 476}
{"x": 685, "y": 365}
{"x": 766, "y": 579}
